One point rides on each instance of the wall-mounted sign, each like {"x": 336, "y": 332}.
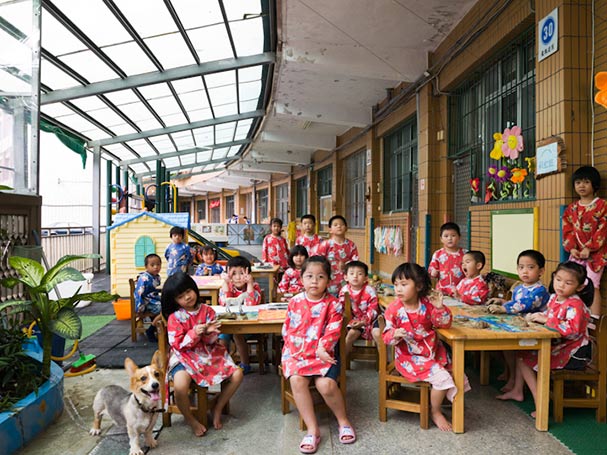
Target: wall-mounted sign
{"x": 547, "y": 159}
{"x": 548, "y": 34}
{"x": 215, "y": 203}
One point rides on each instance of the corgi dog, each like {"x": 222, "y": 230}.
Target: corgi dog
{"x": 137, "y": 410}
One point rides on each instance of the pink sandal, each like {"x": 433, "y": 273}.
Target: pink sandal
{"x": 311, "y": 441}
{"x": 347, "y": 435}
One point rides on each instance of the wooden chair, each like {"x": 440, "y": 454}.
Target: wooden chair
{"x": 365, "y": 350}
{"x": 200, "y": 404}
{"x": 286, "y": 394}
{"x": 592, "y": 381}
{"x": 257, "y": 346}
{"x": 138, "y": 324}
{"x": 395, "y": 392}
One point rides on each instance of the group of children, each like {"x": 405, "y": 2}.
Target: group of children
{"x": 318, "y": 277}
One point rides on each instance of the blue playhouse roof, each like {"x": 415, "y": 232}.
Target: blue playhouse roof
{"x": 172, "y": 219}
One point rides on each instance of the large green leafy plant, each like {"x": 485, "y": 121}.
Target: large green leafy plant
{"x": 53, "y": 316}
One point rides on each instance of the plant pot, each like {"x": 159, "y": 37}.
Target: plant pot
{"x": 35, "y": 412}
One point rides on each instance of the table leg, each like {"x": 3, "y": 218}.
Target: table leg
{"x": 457, "y": 418}
{"x": 214, "y": 298}
{"x": 543, "y": 386}
{"x": 271, "y": 287}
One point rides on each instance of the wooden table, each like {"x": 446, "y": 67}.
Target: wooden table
{"x": 209, "y": 286}
{"x": 250, "y": 326}
{"x": 270, "y": 273}
{"x": 462, "y": 338}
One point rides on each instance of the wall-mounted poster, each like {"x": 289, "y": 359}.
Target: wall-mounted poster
{"x": 512, "y": 231}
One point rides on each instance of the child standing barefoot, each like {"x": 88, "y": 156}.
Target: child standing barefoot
{"x": 311, "y": 332}
{"x": 410, "y": 322}
{"x": 568, "y": 315}
{"x": 195, "y": 354}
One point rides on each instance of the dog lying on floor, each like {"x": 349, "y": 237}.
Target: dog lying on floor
{"x": 137, "y": 410}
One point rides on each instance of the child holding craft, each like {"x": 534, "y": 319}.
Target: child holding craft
{"x": 567, "y": 314}
{"x": 446, "y": 263}
{"x": 411, "y": 320}
{"x": 585, "y": 229}
{"x": 311, "y": 333}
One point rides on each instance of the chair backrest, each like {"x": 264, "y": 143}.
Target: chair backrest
{"x": 132, "y": 295}
{"x": 597, "y": 330}
{"x": 163, "y": 340}
{"x": 382, "y": 348}
{"x": 347, "y": 307}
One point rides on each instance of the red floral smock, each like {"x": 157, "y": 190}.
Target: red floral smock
{"x": 473, "y": 291}
{"x": 447, "y": 267}
{"x": 570, "y": 318}
{"x": 205, "y": 360}
{"x": 291, "y": 282}
{"x": 421, "y": 354}
{"x": 310, "y": 243}
{"x": 308, "y": 325}
{"x": 233, "y": 291}
{"x": 338, "y": 255}
{"x": 585, "y": 226}
{"x": 364, "y": 307}
{"x": 275, "y": 251}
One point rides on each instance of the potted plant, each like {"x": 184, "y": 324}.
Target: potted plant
{"x": 52, "y": 316}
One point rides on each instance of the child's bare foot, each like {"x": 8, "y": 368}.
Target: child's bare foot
{"x": 511, "y": 395}
{"x": 441, "y": 421}
{"x": 198, "y": 428}
{"x": 508, "y": 386}
{"x": 503, "y": 376}
{"x": 217, "y": 424}
{"x": 533, "y": 414}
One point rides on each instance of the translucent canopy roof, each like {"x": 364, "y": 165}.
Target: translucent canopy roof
{"x": 182, "y": 81}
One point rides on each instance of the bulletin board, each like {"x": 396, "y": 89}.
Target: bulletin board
{"x": 512, "y": 231}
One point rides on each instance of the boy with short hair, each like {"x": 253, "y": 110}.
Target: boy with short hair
{"x": 178, "y": 253}
{"x": 363, "y": 302}
{"x": 147, "y": 292}
{"x": 473, "y": 289}
{"x": 309, "y": 238}
{"x": 238, "y": 280}
{"x": 446, "y": 263}
{"x": 585, "y": 229}
{"x": 338, "y": 250}
{"x": 275, "y": 249}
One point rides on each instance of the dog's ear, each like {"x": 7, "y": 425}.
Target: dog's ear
{"x": 157, "y": 360}
{"x": 130, "y": 366}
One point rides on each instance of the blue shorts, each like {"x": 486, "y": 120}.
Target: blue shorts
{"x": 333, "y": 372}
{"x": 174, "y": 370}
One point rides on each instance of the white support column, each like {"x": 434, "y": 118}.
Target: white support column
{"x": 97, "y": 206}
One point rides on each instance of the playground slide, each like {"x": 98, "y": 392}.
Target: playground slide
{"x": 221, "y": 253}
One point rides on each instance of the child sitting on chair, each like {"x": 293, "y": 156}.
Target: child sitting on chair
{"x": 569, "y": 315}
{"x": 195, "y": 355}
{"x": 446, "y": 263}
{"x": 147, "y": 292}
{"x": 177, "y": 254}
{"x": 308, "y": 238}
{"x": 291, "y": 280}
{"x": 363, "y": 302}
{"x": 473, "y": 289}
{"x": 237, "y": 281}
{"x": 209, "y": 265}
{"x": 311, "y": 333}
{"x": 411, "y": 320}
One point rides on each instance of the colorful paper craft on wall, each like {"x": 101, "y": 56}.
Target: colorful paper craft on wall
{"x": 600, "y": 80}
{"x": 389, "y": 240}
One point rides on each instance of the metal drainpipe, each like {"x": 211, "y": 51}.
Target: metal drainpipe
{"x": 108, "y": 217}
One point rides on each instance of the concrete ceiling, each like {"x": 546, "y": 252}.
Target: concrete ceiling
{"x": 335, "y": 61}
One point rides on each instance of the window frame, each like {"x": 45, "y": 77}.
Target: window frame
{"x": 262, "y": 204}
{"x": 356, "y": 182}
{"x": 229, "y": 207}
{"x": 301, "y": 196}
{"x": 201, "y": 209}
{"x": 282, "y": 202}
{"x": 399, "y": 152}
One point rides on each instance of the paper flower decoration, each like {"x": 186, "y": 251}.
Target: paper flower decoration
{"x": 518, "y": 175}
{"x": 497, "y": 153}
{"x": 492, "y": 171}
{"x": 513, "y": 142}
{"x": 489, "y": 192}
{"x": 503, "y": 174}
{"x": 475, "y": 185}
{"x": 530, "y": 164}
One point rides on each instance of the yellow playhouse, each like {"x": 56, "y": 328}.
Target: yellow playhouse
{"x": 135, "y": 235}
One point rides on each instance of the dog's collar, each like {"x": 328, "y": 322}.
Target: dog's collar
{"x": 144, "y": 409}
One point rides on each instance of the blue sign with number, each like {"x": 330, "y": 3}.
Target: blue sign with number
{"x": 548, "y": 30}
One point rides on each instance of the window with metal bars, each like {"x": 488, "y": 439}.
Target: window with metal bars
{"x": 500, "y": 95}
{"x": 400, "y": 166}
{"x": 301, "y": 194}
{"x": 262, "y": 205}
{"x": 325, "y": 181}
{"x": 356, "y": 176}
{"x": 201, "y": 209}
{"x": 282, "y": 202}
{"x": 229, "y": 207}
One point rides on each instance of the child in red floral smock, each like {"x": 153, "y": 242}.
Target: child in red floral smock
{"x": 275, "y": 249}
{"x": 446, "y": 263}
{"x": 291, "y": 279}
{"x": 195, "y": 355}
